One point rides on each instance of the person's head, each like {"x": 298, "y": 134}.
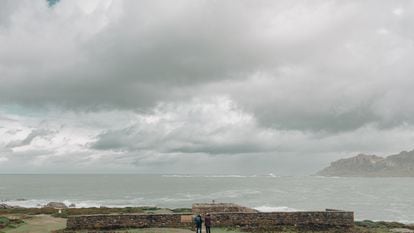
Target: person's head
{"x": 208, "y": 214}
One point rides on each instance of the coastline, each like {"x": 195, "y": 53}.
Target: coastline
{"x": 369, "y": 198}
{"x": 50, "y": 223}
{"x": 55, "y": 219}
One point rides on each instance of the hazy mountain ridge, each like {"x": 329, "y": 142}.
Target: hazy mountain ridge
{"x": 398, "y": 165}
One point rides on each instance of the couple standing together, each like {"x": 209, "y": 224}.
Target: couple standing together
{"x": 199, "y": 223}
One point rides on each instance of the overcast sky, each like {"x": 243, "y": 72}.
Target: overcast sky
{"x": 237, "y": 87}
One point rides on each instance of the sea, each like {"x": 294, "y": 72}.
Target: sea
{"x": 385, "y": 199}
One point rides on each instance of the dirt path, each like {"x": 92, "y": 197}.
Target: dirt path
{"x": 39, "y": 224}
{"x": 173, "y": 230}
{"x": 47, "y": 223}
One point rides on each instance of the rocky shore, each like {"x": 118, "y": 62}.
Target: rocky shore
{"x": 50, "y": 216}
{"x": 398, "y": 165}
{"x": 52, "y": 219}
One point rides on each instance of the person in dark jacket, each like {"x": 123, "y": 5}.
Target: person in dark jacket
{"x": 198, "y": 222}
{"x": 207, "y": 222}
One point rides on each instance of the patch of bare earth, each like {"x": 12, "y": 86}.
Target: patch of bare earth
{"x": 38, "y": 224}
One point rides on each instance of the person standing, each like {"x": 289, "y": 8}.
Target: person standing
{"x": 207, "y": 222}
{"x": 198, "y": 222}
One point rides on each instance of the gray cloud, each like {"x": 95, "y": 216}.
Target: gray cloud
{"x": 296, "y": 77}
{"x": 29, "y": 138}
{"x": 210, "y": 126}
{"x": 331, "y": 65}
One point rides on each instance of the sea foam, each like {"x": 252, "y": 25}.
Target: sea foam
{"x": 275, "y": 209}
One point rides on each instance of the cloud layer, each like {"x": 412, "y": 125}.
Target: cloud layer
{"x": 136, "y": 86}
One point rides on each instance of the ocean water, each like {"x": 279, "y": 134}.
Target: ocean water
{"x": 390, "y": 199}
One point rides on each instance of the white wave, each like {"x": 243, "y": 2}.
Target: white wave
{"x": 225, "y": 176}
{"x": 221, "y": 195}
{"x": 178, "y": 176}
{"x": 221, "y": 176}
{"x": 206, "y": 176}
{"x": 235, "y": 193}
{"x": 275, "y": 209}
{"x": 330, "y": 177}
{"x": 38, "y": 203}
{"x": 33, "y": 203}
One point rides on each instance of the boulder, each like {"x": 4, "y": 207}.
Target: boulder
{"x": 5, "y": 206}
{"x": 56, "y": 205}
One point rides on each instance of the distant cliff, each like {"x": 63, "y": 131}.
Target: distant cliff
{"x": 401, "y": 165}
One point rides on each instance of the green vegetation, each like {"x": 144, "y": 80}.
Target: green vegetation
{"x": 374, "y": 227}
{"x": 33, "y": 224}
{"x": 83, "y": 211}
{"x": 29, "y": 211}
{"x": 381, "y": 224}
{"x": 379, "y": 227}
{"x": 88, "y": 211}
{"x": 182, "y": 210}
{"x": 20, "y": 221}
{"x": 161, "y": 230}
{"x": 357, "y": 229}
{"x": 6, "y": 223}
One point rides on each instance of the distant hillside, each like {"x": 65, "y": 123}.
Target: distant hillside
{"x": 401, "y": 165}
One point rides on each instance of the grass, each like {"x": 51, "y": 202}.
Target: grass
{"x": 13, "y": 223}
{"x": 36, "y": 224}
{"x": 82, "y": 211}
{"x": 220, "y": 230}
{"x": 9, "y": 223}
{"x": 92, "y": 210}
{"x": 4, "y": 221}
{"x": 166, "y": 230}
{"x": 380, "y": 228}
{"x": 368, "y": 226}
{"x": 48, "y": 223}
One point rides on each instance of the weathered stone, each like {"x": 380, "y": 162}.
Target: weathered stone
{"x": 314, "y": 219}
{"x": 5, "y": 206}
{"x": 222, "y": 215}
{"x": 56, "y": 205}
{"x": 125, "y": 221}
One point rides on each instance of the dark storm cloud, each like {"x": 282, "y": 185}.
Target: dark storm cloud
{"x": 132, "y": 140}
{"x": 145, "y": 82}
{"x": 127, "y": 54}
{"x": 136, "y": 58}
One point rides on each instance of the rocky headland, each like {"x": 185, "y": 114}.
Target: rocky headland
{"x": 398, "y": 165}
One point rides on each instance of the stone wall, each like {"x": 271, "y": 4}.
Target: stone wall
{"x": 335, "y": 219}
{"x": 128, "y": 221}
{"x": 275, "y": 219}
{"x": 204, "y": 208}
